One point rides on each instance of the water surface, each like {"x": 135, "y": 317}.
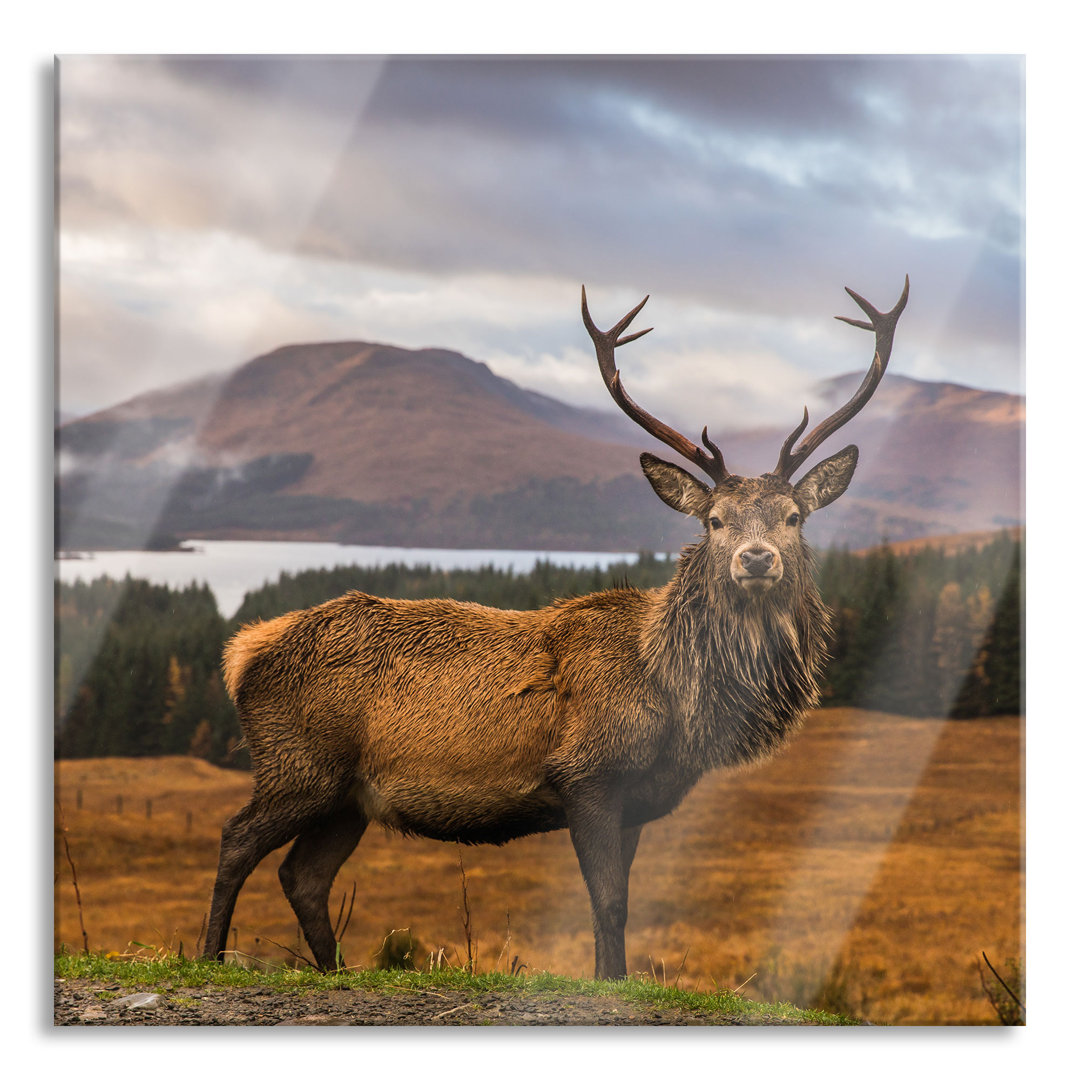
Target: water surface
{"x": 234, "y": 567}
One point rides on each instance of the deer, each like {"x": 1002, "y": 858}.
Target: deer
{"x": 596, "y": 714}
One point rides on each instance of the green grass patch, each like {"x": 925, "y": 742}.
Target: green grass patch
{"x": 172, "y": 973}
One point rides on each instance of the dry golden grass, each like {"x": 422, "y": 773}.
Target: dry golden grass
{"x": 951, "y": 544}
{"x": 866, "y": 868}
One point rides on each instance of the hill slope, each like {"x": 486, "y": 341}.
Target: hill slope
{"x": 366, "y": 443}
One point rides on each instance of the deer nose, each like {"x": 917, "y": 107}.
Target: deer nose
{"x": 756, "y": 561}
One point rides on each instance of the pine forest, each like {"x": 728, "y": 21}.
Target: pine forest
{"x": 923, "y": 633}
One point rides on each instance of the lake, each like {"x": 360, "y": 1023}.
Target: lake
{"x": 234, "y": 567}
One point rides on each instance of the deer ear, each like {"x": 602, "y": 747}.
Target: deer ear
{"x": 677, "y": 487}
{"x": 828, "y": 480}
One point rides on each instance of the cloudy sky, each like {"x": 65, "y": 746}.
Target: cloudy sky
{"x": 214, "y": 208}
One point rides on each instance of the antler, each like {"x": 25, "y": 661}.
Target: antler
{"x": 883, "y": 325}
{"x": 712, "y": 464}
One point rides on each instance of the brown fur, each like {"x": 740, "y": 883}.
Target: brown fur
{"x": 597, "y": 714}
{"x": 242, "y": 648}
{"x": 466, "y": 723}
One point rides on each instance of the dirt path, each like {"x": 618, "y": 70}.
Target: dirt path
{"x": 84, "y": 1002}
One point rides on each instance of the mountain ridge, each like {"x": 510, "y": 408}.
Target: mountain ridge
{"x": 371, "y": 443}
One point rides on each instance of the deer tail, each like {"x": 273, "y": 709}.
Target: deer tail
{"x": 247, "y": 644}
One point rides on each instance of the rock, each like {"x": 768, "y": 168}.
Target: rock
{"x": 139, "y": 1001}
{"x": 319, "y": 1020}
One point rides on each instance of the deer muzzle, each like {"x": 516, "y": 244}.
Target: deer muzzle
{"x": 757, "y": 567}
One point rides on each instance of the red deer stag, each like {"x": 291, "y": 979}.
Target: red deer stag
{"x": 596, "y": 714}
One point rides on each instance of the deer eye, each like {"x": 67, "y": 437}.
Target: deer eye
{"x": 715, "y": 523}
{"x": 793, "y": 520}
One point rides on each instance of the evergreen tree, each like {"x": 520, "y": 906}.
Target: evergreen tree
{"x": 137, "y": 666}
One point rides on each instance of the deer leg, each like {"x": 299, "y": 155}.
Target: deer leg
{"x": 308, "y": 872}
{"x": 598, "y": 839}
{"x": 630, "y": 836}
{"x": 247, "y": 838}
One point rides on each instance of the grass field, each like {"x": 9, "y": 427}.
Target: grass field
{"x": 863, "y": 870}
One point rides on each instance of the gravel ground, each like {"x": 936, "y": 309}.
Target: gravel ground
{"x": 84, "y": 1002}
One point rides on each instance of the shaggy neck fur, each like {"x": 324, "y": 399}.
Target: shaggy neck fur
{"x": 739, "y": 671}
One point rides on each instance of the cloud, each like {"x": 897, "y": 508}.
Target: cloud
{"x": 462, "y": 201}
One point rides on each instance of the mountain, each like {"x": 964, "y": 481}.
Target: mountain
{"x": 935, "y": 459}
{"x": 366, "y": 443}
